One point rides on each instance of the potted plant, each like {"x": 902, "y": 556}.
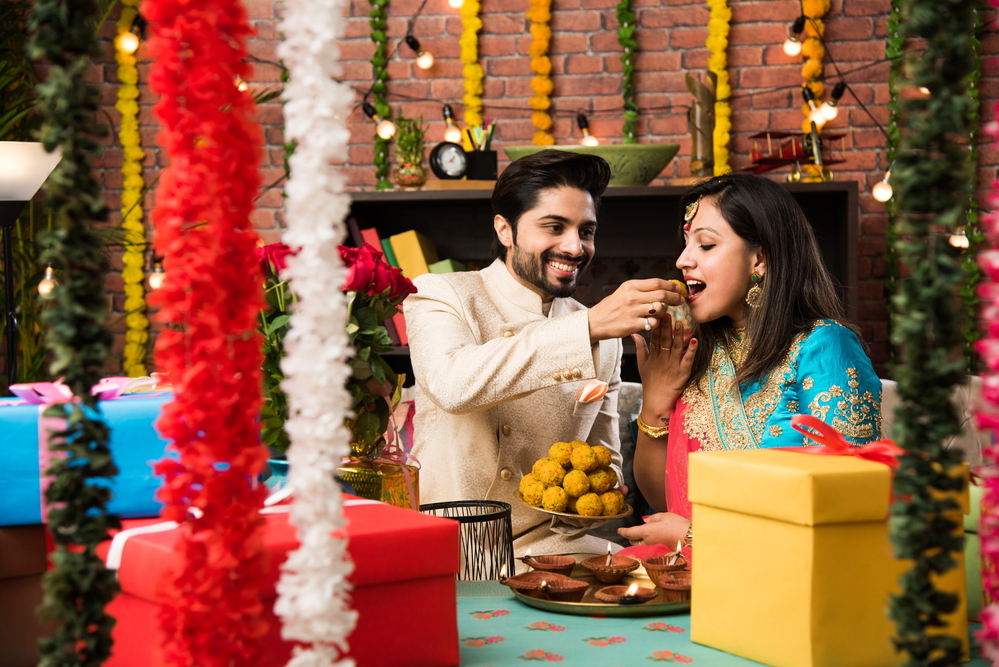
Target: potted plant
{"x": 410, "y": 132}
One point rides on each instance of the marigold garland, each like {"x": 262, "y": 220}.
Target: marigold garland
{"x": 814, "y": 51}
{"x": 209, "y": 348}
{"x": 137, "y": 333}
{"x": 78, "y": 587}
{"x": 541, "y": 85}
{"x": 379, "y": 62}
{"x": 626, "y": 38}
{"x": 471, "y": 24}
{"x": 718, "y": 29}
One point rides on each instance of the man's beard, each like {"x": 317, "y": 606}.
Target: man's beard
{"x": 531, "y": 268}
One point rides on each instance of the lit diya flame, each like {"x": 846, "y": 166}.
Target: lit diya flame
{"x": 503, "y": 572}
{"x": 631, "y": 595}
{"x": 607, "y": 564}
{"x": 633, "y": 589}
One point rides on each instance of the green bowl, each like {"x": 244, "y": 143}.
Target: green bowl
{"x": 631, "y": 164}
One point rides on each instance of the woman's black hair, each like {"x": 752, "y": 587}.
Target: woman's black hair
{"x": 521, "y": 183}
{"x": 797, "y": 287}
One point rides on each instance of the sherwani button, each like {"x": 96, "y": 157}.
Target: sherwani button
{"x": 506, "y": 474}
{"x": 507, "y": 334}
{"x": 557, "y": 377}
{"x": 506, "y": 429}
{"x": 576, "y": 373}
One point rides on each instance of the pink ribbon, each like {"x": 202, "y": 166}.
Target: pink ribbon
{"x": 882, "y": 451}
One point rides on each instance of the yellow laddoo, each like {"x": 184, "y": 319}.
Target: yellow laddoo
{"x": 555, "y": 499}
{"x": 571, "y": 505}
{"x": 603, "y": 456}
{"x": 584, "y": 459}
{"x": 578, "y": 443}
{"x": 526, "y": 480}
{"x": 533, "y": 493}
{"x": 560, "y": 451}
{"x": 589, "y": 505}
{"x": 684, "y": 290}
{"x": 576, "y": 483}
{"x": 549, "y": 472}
{"x": 613, "y": 502}
{"x": 602, "y": 480}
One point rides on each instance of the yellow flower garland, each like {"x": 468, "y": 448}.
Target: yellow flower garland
{"x": 718, "y": 28}
{"x": 469, "y": 41}
{"x": 814, "y": 51}
{"x": 137, "y": 333}
{"x": 541, "y": 85}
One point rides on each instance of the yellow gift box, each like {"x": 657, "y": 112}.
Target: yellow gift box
{"x": 793, "y": 566}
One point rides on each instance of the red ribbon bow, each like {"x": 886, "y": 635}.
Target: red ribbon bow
{"x": 882, "y": 451}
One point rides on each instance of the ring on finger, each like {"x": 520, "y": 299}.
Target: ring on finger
{"x": 648, "y": 327}
{"x": 655, "y": 347}
{"x": 652, "y": 309}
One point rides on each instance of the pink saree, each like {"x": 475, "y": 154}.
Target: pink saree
{"x": 679, "y": 447}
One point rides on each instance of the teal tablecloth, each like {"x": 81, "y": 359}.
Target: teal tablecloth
{"x": 497, "y": 630}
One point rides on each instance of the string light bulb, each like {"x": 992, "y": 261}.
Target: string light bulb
{"x": 584, "y": 127}
{"x": 453, "y": 132}
{"x": 924, "y": 90}
{"x": 424, "y": 59}
{"x": 882, "y": 190}
{"x": 127, "y": 42}
{"x": 383, "y": 126}
{"x": 792, "y": 45}
{"x": 158, "y": 275}
{"x": 241, "y": 85}
{"x": 815, "y": 115}
{"x": 959, "y": 239}
{"x": 455, "y": 4}
{"x": 48, "y": 283}
{"x": 829, "y": 109}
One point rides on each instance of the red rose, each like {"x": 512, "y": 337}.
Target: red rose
{"x": 382, "y": 278}
{"x": 401, "y": 285}
{"x": 361, "y": 263}
{"x": 273, "y": 255}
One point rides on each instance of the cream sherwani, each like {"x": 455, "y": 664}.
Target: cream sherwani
{"x": 496, "y": 385}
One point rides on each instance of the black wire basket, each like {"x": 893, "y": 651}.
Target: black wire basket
{"x": 486, "y": 540}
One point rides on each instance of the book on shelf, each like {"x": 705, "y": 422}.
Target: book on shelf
{"x": 414, "y": 252}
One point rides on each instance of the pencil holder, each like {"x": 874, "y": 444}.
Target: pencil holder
{"x": 481, "y": 165}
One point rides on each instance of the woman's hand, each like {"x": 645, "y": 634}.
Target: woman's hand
{"x": 664, "y": 365}
{"x": 663, "y": 528}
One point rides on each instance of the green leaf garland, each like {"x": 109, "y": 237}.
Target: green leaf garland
{"x": 379, "y": 62}
{"x": 894, "y": 48}
{"x": 969, "y": 263}
{"x": 932, "y": 182}
{"x": 626, "y": 38}
{"x": 79, "y": 587}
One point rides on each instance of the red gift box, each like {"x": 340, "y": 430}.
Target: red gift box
{"x": 404, "y": 570}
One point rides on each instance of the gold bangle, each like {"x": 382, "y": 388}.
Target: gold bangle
{"x": 656, "y": 432}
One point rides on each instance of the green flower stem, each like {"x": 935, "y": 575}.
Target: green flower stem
{"x": 932, "y": 183}
{"x": 626, "y": 38}
{"x": 79, "y": 587}
{"x": 379, "y": 61}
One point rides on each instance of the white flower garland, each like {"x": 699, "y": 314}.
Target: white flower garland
{"x": 313, "y": 590}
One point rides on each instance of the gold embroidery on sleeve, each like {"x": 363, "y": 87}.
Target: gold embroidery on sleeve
{"x": 856, "y": 415}
{"x": 807, "y": 383}
{"x": 776, "y": 430}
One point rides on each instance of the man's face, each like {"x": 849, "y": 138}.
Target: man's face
{"x": 553, "y": 243}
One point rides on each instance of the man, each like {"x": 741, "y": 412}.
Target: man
{"x": 500, "y": 355}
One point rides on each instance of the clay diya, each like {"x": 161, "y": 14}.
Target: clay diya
{"x": 633, "y": 594}
{"x": 547, "y": 586}
{"x": 610, "y": 569}
{"x": 675, "y": 585}
{"x": 660, "y": 565}
{"x": 558, "y": 564}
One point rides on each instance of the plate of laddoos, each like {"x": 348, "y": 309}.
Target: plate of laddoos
{"x": 574, "y": 480}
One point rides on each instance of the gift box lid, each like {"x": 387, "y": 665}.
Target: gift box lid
{"x": 805, "y": 489}
{"x": 387, "y": 544}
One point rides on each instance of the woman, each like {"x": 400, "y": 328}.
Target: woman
{"x": 767, "y": 344}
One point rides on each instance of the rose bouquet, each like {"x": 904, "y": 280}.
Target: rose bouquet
{"x": 274, "y": 324}
{"x": 374, "y": 291}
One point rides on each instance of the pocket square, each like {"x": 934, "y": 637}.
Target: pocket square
{"x": 592, "y": 391}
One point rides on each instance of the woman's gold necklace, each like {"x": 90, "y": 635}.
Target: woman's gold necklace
{"x": 738, "y": 346}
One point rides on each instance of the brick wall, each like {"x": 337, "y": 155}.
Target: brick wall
{"x": 586, "y": 74}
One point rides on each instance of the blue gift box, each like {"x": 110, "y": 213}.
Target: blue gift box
{"x": 135, "y": 445}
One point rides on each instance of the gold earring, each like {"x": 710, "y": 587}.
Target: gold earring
{"x": 755, "y": 293}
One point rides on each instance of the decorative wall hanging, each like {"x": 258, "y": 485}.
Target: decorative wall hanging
{"x": 78, "y": 587}
{"x": 134, "y": 259}
{"x": 541, "y": 84}
{"x": 209, "y": 347}
{"x": 627, "y": 24}
{"x": 718, "y": 29}
{"x": 471, "y": 24}
{"x": 814, "y": 51}
{"x": 313, "y": 591}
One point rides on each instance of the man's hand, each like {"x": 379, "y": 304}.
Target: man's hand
{"x": 663, "y": 528}
{"x": 634, "y": 303}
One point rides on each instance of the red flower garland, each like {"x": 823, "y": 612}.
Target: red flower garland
{"x": 209, "y": 347}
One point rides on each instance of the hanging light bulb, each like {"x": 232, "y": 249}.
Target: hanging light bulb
{"x": 829, "y": 110}
{"x": 158, "y": 275}
{"x": 959, "y": 239}
{"x": 383, "y": 126}
{"x": 882, "y": 190}
{"x": 424, "y": 59}
{"x": 924, "y": 90}
{"x": 456, "y": 4}
{"x": 241, "y": 85}
{"x": 792, "y": 45}
{"x": 452, "y": 133}
{"x": 815, "y": 115}
{"x": 127, "y": 42}
{"x": 584, "y": 127}
{"x": 48, "y": 283}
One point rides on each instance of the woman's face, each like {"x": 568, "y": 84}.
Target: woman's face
{"x": 717, "y": 266}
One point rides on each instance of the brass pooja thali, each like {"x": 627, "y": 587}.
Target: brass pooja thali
{"x": 625, "y": 512}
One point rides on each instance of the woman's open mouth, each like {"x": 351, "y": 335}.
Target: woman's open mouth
{"x": 694, "y": 287}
